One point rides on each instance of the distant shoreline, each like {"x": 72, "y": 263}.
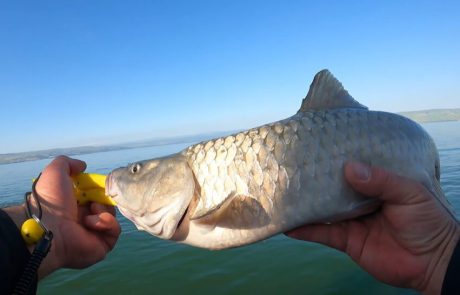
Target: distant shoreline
{"x": 12, "y": 158}
{"x": 436, "y": 115}
{"x": 425, "y": 116}
{"x": 440, "y": 121}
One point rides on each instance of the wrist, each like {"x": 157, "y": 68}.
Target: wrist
{"x": 441, "y": 260}
{"x": 19, "y": 216}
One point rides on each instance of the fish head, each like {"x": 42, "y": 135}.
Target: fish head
{"x": 154, "y": 194}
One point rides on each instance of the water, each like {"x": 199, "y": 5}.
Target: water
{"x": 143, "y": 264}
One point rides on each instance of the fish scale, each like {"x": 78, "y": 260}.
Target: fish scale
{"x": 245, "y": 187}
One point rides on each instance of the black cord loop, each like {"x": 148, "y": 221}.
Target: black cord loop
{"x": 42, "y": 248}
{"x": 34, "y": 195}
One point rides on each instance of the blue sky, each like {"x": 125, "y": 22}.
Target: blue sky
{"x": 78, "y": 73}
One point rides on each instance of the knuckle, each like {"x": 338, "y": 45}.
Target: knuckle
{"x": 61, "y": 158}
{"x": 418, "y": 188}
{"x": 382, "y": 178}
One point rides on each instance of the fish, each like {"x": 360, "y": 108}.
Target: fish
{"x": 248, "y": 186}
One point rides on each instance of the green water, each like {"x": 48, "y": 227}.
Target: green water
{"x": 143, "y": 264}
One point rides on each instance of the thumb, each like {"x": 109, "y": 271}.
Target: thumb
{"x": 66, "y": 164}
{"x": 384, "y": 185}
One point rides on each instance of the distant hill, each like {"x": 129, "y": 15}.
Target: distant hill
{"x": 51, "y": 153}
{"x": 46, "y": 154}
{"x": 437, "y": 115}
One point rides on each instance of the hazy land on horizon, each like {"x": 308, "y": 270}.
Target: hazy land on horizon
{"x": 434, "y": 115}
{"x": 424, "y": 116}
{"x": 10, "y": 158}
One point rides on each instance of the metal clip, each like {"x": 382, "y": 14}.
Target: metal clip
{"x": 44, "y": 244}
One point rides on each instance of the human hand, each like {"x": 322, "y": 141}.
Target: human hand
{"x": 83, "y": 235}
{"x": 407, "y": 243}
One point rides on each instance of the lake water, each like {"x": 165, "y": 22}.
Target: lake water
{"x": 143, "y": 264}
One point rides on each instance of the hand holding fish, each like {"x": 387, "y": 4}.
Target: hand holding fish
{"x": 407, "y": 243}
{"x": 83, "y": 235}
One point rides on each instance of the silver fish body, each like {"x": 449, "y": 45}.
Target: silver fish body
{"x": 246, "y": 187}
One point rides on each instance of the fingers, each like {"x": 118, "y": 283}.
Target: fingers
{"x": 93, "y": 208}
{"x": 102, "y": 222}
{"x": 105, "y": 227}
{"x": 94, "y": 219}
{"x": 380, "y": 183}
{"x": 99, "y": 208}
{"x": 332, "y": 235}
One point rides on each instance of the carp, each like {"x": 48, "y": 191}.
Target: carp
{"x": 245, "y": 187}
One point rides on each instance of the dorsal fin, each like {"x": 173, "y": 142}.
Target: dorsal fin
{"x": 326, "y": 92}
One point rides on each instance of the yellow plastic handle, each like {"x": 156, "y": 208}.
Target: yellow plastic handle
{"x": 90, "y": 187}
{"x": 85, "y": 181}
{"x": 94, "y": 195}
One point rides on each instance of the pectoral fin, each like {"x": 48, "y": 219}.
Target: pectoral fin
{"x": 202, "y": 210}
{"x": 237, "y": 211}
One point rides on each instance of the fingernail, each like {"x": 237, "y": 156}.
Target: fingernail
{"x": 361, "y": 172}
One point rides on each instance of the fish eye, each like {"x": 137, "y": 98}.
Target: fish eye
{"x": 135, "y": 168}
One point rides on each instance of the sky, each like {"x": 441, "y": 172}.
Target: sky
{"x": 76, "y": 73}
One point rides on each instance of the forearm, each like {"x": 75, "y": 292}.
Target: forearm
{"x": 14, "y": 254}
{"x": 451, "y": 284}
{"x": 18, "y": 215}
{"x": 437, "y": 275}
